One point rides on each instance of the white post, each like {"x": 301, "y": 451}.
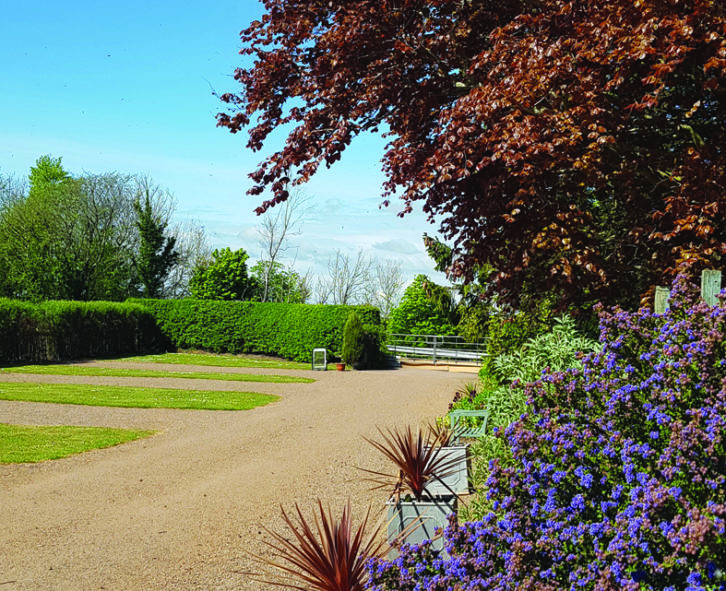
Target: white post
{"x": 710, "y": 286}
{"x": 662, "y": 295}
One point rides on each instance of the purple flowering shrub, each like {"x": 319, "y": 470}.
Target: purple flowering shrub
{"x": 619, "y": 473}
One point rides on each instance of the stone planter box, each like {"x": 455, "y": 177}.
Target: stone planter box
{"x": 457, "y": 481}
{"x": 418, "y": 520}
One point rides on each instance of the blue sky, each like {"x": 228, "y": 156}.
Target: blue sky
{"x": 127, "y": 87}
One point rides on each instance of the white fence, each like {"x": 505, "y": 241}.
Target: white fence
{"x": 437, "y": 348}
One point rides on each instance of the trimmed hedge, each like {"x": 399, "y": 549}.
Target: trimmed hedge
{"x": 290, "y": 331}
{"x": 56, "y": 330}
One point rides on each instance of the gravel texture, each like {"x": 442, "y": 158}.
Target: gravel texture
{"x": 186, "y": 508}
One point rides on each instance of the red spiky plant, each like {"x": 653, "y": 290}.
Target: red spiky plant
{"x": 325, "y": 554}
{"x": 417, "y": 456}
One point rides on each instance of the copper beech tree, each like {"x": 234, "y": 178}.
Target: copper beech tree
{"x": 576, "y": 147}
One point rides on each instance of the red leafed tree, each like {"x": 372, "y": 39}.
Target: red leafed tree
{"x": 577, "y": 147}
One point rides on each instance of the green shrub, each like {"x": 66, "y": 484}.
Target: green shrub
{"x": 353, "y": 341}
{"x": 508, "y": 332}
{"x": 376, "y": 351}
{"x": 290, "y": 331}
{"x": 556, "y": 350}
{"x": 362, "y": 344}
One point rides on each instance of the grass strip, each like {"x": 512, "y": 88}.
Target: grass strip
{"x": 217, "y": 360}
{"x": 78, "y": 370}
{"x": 126, "y": 397}
{"x": 26, "y": 444}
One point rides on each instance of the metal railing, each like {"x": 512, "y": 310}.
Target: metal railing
{"x": 436, "y": 348}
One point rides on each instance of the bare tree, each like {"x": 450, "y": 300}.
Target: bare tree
{"x": 193, "y": 248}
{"x": 385, "y": 286}
{"x": 277, "y": 226}
{"x": 346, "y": 279}
{"x": 12, "y": 189}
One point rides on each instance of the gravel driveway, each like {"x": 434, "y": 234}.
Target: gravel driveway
{"x": 184, "y": 508}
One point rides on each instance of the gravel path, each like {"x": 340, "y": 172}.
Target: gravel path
{"x": 184, "y": 508}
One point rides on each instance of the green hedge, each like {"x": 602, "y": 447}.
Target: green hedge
{"x": 56, "y": 330}
{"x": 291, "y": 331}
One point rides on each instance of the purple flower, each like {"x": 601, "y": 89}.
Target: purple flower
{"x": 617, "y": 476}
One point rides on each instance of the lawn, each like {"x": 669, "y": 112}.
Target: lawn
{"x": 218, "y": 360}
{"x": 78, "y": 370}
{"x": 26, "y": 444}
{"x": 122, "y": 396}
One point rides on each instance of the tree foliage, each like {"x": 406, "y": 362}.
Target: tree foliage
{"x": 68, "y": 238}
{"x": 276, "y": 283}
{"x": 425, "y": 308}
{"x": 577, "y": 147}
{"x": 223, "y": 277}
{"x": 77, "y": 238}
{"x": 474, "y": 308}
{"x": 156, "y": 254}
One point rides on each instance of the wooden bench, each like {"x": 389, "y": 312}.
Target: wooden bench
{"x": 459, "y": 428}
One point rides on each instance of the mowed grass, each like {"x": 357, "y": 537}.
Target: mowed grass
{"x": 27, "y": 444}
{"x": 127, "y": 397}
{"x": 218, "y": 360}
{"x": 78, "y": 370}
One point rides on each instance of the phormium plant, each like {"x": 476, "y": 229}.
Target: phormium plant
{"x": 327, "y": 554}
{"x": 417, "y": 457}
{"x": 618, "y": 473}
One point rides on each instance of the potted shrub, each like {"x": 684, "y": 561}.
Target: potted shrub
{"x": 417, "y": 507}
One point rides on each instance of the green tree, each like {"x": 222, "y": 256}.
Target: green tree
{"x": 425, "y": 308}
{"x": 47, "y": 172}
{"x": 77, "y": 238}
{"x": 223, "y": 277}
{"x": 156, "y": 255}
{"x": 474, "y": 306}
{"x": 282, "y": 284}
{"x": 67, "y": 238}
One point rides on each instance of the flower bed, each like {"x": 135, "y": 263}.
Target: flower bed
{"x": 619, "y": 480}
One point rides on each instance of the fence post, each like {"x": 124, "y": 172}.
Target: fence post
{"x": 662, "y": 295}
{"x": 710, "y": 286}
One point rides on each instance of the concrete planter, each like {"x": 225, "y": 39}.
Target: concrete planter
{"x": 457, "y": 481}
{"x": 418, "y": 520}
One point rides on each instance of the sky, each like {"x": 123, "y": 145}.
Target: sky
{"x": 128, "y": 87}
